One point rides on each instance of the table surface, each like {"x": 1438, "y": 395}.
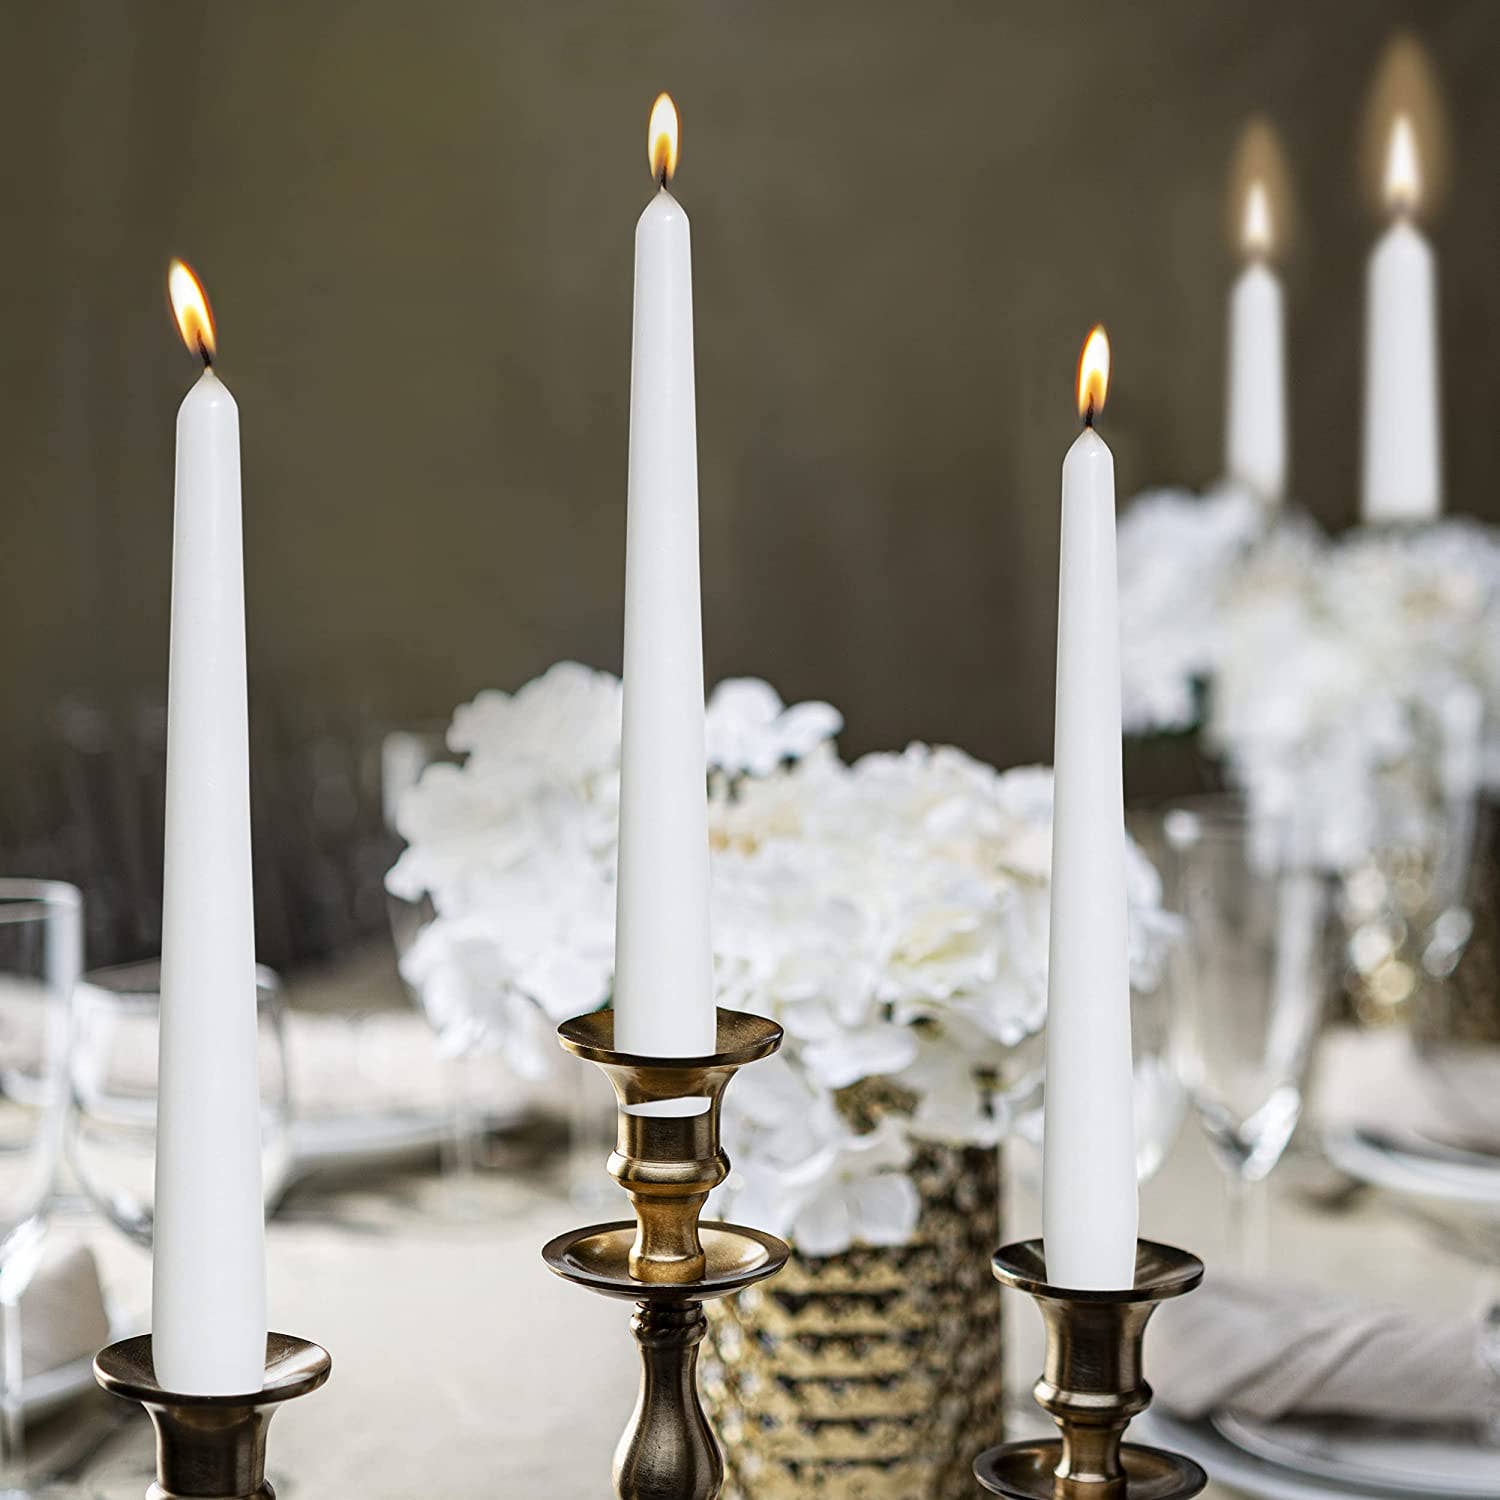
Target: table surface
{"x": 463, "y": 1368}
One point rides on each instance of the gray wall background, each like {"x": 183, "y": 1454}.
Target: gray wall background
{"x": 415, "y": 222}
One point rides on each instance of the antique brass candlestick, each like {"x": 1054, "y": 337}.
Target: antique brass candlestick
{"x": 212, "y": 1447}
{"x": 1092, "y": 1386}
{"x": 665, "y": 1261}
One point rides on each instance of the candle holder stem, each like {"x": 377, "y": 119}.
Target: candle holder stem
{"x": 1092, "y": 1384}
{"x": 665, "y": 1260}
{"x": 668, "y": 1447}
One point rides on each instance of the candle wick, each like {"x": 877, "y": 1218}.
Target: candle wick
{"x": 661, "y": 179}
{"x": 205, "y": 353}
{"x": 1088, "y": 413}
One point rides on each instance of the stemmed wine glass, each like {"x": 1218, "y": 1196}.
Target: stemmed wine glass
{"x": 1248, "y": 985}
{"x": 41, "y": 946}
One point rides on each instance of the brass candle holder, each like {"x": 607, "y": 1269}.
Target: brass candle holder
{"x": 212, "y": 1447}
{"x": 665, "y": 1260}
{"x": 1092, "y": 1385}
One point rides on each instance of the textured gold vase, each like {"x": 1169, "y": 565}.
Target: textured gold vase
{"x": 1464, "y": 1008}
{"x": 874, "y": 1374}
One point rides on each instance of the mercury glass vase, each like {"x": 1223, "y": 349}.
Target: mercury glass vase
{"x": 1456, "y": 1015}
{"x": 874, "y": 1374}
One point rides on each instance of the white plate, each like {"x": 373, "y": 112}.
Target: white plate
{"x": 1228, "y": 1464}
{"x": 1225, "y": 1464}
{"x": 1442, "y": 1174}
{"x": 1367, "y": 1453}
{"x": 1247, "y": 1473}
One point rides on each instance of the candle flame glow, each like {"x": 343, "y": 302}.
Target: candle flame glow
{"x": 1256, "y": 233}
{"x": 1403, "y": 173}
{"x": 1093, "y": 374}
{"x": 1259, "y": 204}
{"x": 661, "y": 139}
{"x": 1406, "y": 157}
{"x": 195, "y": 318}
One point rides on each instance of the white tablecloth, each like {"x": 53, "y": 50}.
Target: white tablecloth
{"x": 462, "y": 1368}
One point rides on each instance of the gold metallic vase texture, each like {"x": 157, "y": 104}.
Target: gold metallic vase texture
{"x": 875, "y": 1374}
{"x": 1458, "y": 1006}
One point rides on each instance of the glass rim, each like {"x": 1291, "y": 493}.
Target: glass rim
{"x": 138, "y": 981}
{"x": 23, "y": 899}
{"x": 1214, "y": 814}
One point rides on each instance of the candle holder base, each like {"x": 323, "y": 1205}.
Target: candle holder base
{"x": 1028, "y": 1471}
{"x": 212, "y": 1447}
{"x": 1092, "y": 1385}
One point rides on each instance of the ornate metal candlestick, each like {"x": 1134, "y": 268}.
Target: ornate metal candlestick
{"x": 665, "y": 1261}
{"x": 212, "y": 1447}
{"x": 1092, "y": 1386}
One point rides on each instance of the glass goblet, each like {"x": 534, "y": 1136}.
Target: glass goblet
{"x": 41, "y": 943}
{"x": 111, "y": 1129}
{"x": 1248, "y": 983}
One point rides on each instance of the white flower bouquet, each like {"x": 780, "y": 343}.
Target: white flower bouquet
{"x": 890, "y": 914}
{"x": 1350, "y": 685}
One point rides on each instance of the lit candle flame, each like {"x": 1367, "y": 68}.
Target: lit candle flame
{"x": 1093, "y": 374}
{"x": 1255, "y": 234}
{"x": 195, "y": 318}
{"x": 1403, "y": 174}
{"x": 661, "y": 139}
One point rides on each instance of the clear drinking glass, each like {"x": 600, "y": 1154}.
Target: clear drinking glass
{"x": 111, "y": 1123}
{"x": 1248, "y": 983}
{"x": 41, "y": 945}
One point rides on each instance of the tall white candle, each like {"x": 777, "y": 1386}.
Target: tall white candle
{"x": 1255, "y": 433}
{"x": 1089, "y": 1176}
{"x": 663, "y": 966}
{"x": 1403, "y": 430}
{"x": 208, "y": 1316}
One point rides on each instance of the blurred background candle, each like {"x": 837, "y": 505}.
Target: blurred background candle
{"x": 208, "y": 1323}
{"x": 1255, "y": 436}
{"x": 1089, "y": 1175}
{"x": 663, "y": 971}
{"x": 1402, "y": 438}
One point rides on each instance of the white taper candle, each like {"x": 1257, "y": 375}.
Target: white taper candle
{"x": 1255, "y": 432}
{"x": 1402, "y": 471}
{"x": 208, "y": 1314}
{"x": 1089, "y": 1175}
{"x": 663, "y": 998}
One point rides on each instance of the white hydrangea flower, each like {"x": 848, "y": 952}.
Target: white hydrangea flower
{"x": 892, "y": 915}
{"x": 565, "y": 724}
{"x": 1353, "y": 689}
{"x": 1349, "y": 684}
{"x": 750, "y": 731}
{"x": 1176, "y": 553}
{"x": 803, "y": 1172}
{"x": 472, "y": 998}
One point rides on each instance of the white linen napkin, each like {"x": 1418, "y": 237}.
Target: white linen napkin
{"x": 1269, "y": 1351}
{"x": 62, "y": 1313}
